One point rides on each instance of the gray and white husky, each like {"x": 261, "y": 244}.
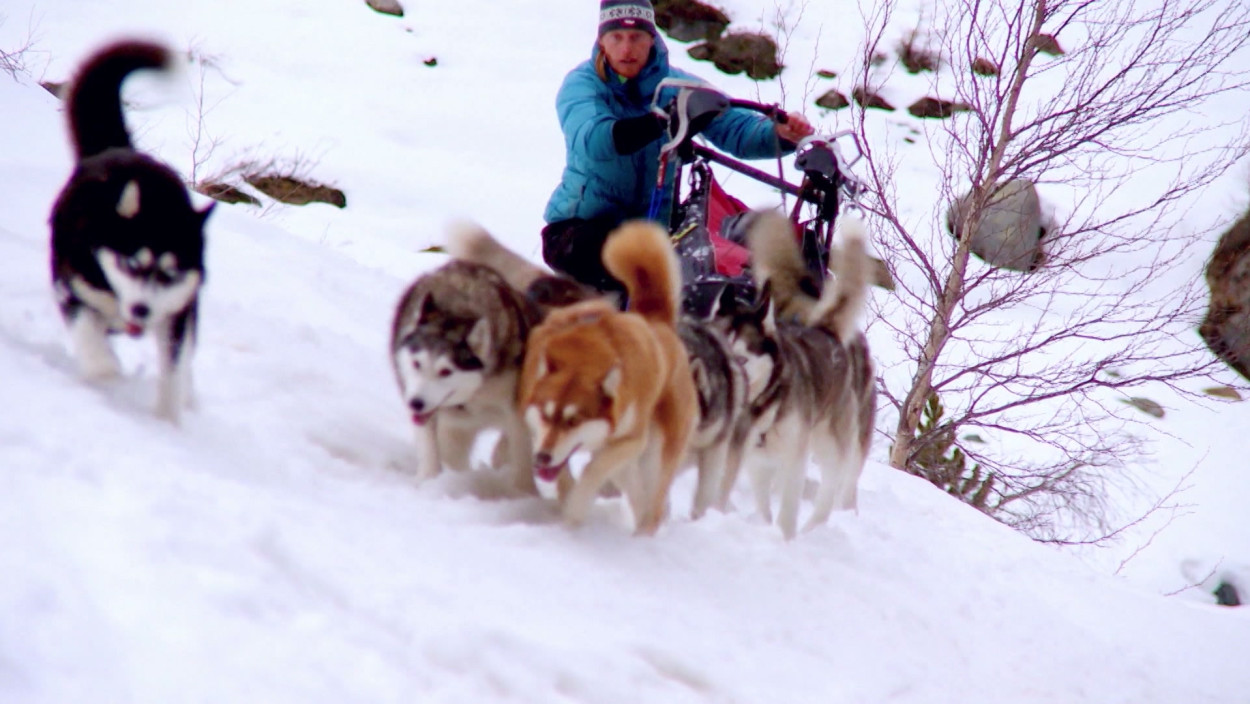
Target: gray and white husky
{"x": 810, "y": 377}
{"x": 127, "y": 245}
{"x": 457, "y": 342}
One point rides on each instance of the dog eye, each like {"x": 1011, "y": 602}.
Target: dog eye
{"x": 416, "y": 364}
{"x": 444, "y": 373}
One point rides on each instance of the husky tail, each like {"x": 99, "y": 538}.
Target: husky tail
{"x": 796, "y": 293}
{"x": 470, "y": 242}
{"x": 841, "y": 304}
{"x": 776, "y": 260}
{"x": 95, "y": 107}
{"x": 640, "y": 255}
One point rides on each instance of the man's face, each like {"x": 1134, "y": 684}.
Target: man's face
{"x": 627, "y": 50}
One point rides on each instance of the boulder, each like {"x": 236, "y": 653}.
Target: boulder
{"x": 1009, "y": 232}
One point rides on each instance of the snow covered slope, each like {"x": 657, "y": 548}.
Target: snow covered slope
{"x": 275, "y": 548}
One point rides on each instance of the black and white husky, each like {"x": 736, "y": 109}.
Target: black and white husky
{"x": 811, "y": 389}
{"x": 127, "y": 245}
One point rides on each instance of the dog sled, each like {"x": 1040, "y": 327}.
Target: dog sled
{"x": 708, "y": 225}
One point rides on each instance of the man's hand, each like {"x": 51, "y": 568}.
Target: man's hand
{"x": 795, "y": 127}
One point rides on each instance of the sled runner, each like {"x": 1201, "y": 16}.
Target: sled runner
{"x": 708, "y": 226}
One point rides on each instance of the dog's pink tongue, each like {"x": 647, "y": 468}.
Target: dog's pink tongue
{"x": 134, "y": 329}
{"x": 547, "y": 473}
{"x": 421, "y": 418}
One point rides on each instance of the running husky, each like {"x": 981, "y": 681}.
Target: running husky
{"x": 457, "y": 342}
{"x": 810, "y": 376}
{"x": 614, "y": 384}
{"x": 127, "y": 246}
{"x": 720, "y": 382}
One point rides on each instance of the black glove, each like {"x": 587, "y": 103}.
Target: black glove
{"x": 633, "y": 133}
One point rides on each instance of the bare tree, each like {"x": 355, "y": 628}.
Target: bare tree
{"x": 13, "y": 59}
{"x": 1024, "y": 419}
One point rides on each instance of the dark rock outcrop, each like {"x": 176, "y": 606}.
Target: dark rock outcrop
{"x": 690, "y": 20}
{"x": 739, "y": 52}
{"x": 1226, "y": 328}
{"x": 832, "y": 100}
{"x": 984, "y": 67}
{"x": 870, "y": 99}
{"x": 387, "y": 7}
{"x": 224, "y": 192}
{"x": 936, "y": 107}
{"x": 1047, "y": 44}
{"x": 295, "y": 191}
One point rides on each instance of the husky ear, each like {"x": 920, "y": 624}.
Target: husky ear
{"x": 479, "y": 339}
{"x": 208, "y": 210}
{"x": 612, "y": 382}
{"x": 725, "y": 304}
{"x": 762, "y": 311}
{"x": 128, "y": 203}
{"x": 425, "y": 309}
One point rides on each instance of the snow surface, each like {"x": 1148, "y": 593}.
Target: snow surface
{"x": 276, "y": 548}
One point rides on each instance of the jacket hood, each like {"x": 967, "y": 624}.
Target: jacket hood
{"x": 645, "y": 83}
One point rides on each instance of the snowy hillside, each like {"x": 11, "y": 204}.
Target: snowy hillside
{"x": 275, "y": 547}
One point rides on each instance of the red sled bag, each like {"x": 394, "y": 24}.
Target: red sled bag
{"x": 730, "y": 256}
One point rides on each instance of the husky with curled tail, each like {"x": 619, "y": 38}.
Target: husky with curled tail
{"x": 811, "y": 389}
{"x": 127, "y": 245}
{"x": 614, "y": 384}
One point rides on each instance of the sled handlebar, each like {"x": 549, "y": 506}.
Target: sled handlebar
{"x": 772, "y": 111}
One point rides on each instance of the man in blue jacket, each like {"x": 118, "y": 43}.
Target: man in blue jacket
{"x": 612, "y": 140}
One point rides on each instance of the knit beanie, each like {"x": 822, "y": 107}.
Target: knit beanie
{"x": 626, "y": 14}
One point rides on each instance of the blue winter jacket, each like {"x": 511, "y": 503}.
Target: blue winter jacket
{"x": 598, "y": 181}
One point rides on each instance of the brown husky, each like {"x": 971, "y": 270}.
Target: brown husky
{"x": 616, "y": 385}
